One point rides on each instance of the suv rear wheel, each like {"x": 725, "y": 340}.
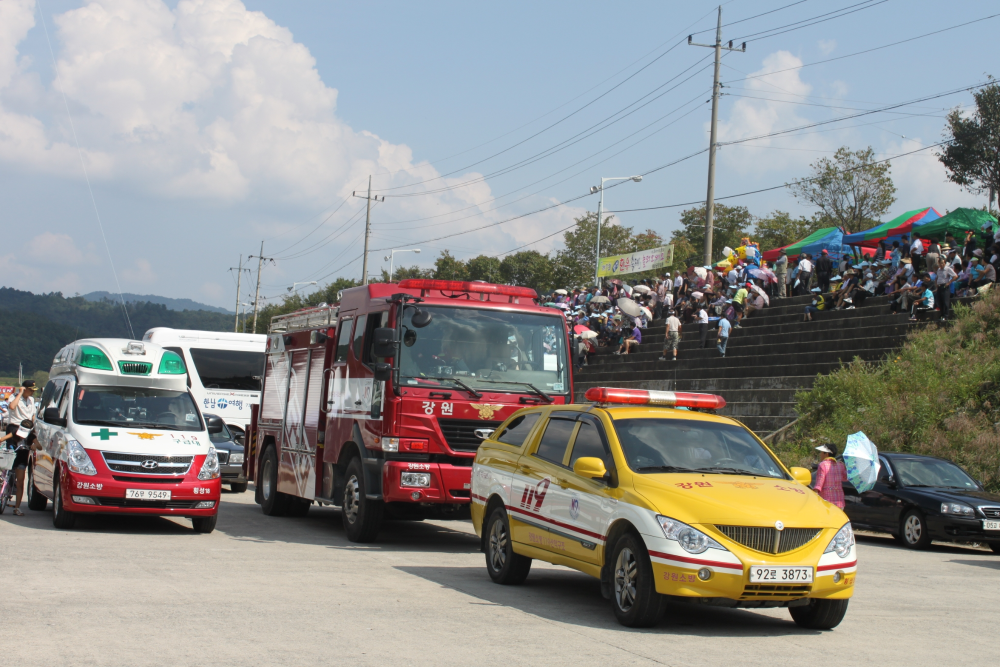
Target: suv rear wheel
{"x": 362, "y": 517}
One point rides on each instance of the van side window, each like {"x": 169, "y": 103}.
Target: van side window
{"x": 343, "y": 339}
{"x": 51, "y": 395}
{"x": 67, "y": 399}
{"x": 374, "y": 322}
{"x": 359, "y": 335}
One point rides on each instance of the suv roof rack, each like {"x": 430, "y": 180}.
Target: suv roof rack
{"x": 307, "y": 318}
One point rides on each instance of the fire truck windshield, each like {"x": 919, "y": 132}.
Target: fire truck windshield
{"x": 486, "y": 349}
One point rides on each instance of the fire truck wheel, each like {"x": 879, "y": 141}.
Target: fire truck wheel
{"x": 505, "y": 566}
{"x": 362, "y": 517}
{"x": 272, "y": 502}
{"x": 204, "y": 524}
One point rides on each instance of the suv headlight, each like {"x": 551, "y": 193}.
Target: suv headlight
{"x": 78, "y": 460}
{"x": 691, "y": 539}
{"x": 210, "y": 468}
{"x": 842, "y": 542}
{"x": 957, "y": 509}
{"x": 236, "y": 457}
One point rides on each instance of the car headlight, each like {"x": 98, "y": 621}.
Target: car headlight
{"x": 957, "y": 509}
{"x": 236, "y": 457}
{"x": 78, "y": 460}
{"x": 842, "y": 542}
{"x": 210, "y": 468}
{"x": 691, "y": 539}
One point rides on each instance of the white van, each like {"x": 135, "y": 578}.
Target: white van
{"x": 224, "y": 370}
{"x": 120, "y": 433}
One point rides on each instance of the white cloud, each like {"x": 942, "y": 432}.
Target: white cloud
{"x": 826, "y": 46}
{"x": 921, "y": 180}
{"x": 213, "y": 291}
{"x": 141, "y": 272}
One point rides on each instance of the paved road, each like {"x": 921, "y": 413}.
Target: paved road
{"x": 278, "y": 591}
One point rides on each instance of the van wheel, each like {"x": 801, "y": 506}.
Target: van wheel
{"x": 36, "y": 501}
{"x": 504, "y": 566}
{"x": 819, "y": 614}
{"x": 362, "y": 517}
{"x": 239, "y": 487}
{"x": 635, "y": 601}
{"x": 272, "y": 503}
{"x": 60, "y": 517}
{"x": 204, "y": 524}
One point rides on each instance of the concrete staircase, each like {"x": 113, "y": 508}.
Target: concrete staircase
{"x": 771, "y": 357}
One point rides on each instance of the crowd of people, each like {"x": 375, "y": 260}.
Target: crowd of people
{"x": 917, "y": 274}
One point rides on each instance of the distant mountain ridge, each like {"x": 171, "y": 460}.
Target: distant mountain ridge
{"x": 171, "y": 304}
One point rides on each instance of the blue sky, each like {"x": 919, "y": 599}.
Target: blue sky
{"x": 208, "y": 126}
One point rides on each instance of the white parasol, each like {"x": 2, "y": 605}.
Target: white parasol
{"x": 629, "y": 307}
{"x": 588, "y": 334}
{"x": 600, "y": 299}
{"x": 561, "y": 291}
{"x": 642, "y": 289}
{"x": 763, "y": 294}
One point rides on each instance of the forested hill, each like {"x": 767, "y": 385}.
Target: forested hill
{"x": 34, "y": 326}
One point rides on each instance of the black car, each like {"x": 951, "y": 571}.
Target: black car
{"x": 230, "y": 454}
{"x": 922, "y": 498}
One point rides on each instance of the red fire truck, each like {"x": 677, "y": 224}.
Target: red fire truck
{"x": 378, "y": 404}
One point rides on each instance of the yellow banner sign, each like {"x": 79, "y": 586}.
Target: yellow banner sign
{"x": 636, "y": 262}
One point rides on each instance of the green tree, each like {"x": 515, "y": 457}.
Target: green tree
{"x": 973, "y": 156}
{"x": 851, "y": 189}
{"x": 485, "y": 268}
{"x": 576, "y": 262}
{"x": 528, "y": 268}
{"x": 446, "y": 267}
{"x": 729, "y": 226}
{"x": 781, "y": 229}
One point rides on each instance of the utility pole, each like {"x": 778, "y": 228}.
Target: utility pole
{"x": 368, "y": 227}
{"x": 239, "y": 280}
{"x": 716, "y": 88}
{"x": 256, "y": 297}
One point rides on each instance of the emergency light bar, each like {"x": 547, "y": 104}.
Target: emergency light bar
{"x": 660, "y": 398}
{"x": 467, "y": 286}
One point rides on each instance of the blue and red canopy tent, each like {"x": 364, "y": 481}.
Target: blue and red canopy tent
{"x": 892, "y": 230}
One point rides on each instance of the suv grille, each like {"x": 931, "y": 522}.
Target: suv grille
{"x": 764, "y": 591}
{"x": 769, "y": 540}
{"x": 460, "y": 434}
{"x": 143, "y": 464}
{"x": 135, "y": 367}
{"x": 991, "y": 512}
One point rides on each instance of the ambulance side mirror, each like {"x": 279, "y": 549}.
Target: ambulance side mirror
{"x": 590, "y": 467}
{"x": 384, "y": 344}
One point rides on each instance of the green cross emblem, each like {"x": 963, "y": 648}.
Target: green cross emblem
{"x": 105, "y": 434}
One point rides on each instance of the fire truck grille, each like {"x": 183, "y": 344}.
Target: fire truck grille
{"x": 460, "y": 434}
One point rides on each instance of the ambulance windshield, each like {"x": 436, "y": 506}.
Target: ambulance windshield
{"x": 490, "y": 350}
{"x": 136, "y": 407}
{"x": 684, "y": 445}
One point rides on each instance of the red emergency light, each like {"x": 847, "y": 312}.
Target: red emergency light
{"x": 670, "y": 399}
{"x": 467, "y": 286}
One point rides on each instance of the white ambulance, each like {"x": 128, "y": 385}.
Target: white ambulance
{"x": 225, "y": 370}
{"x": 120, "y": 433}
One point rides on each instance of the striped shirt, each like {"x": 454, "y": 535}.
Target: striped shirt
{"x": 830, "y": 478}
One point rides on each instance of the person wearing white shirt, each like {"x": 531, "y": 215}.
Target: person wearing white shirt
{"x": 22, "y": 408}
{"x": 702, "y": 325}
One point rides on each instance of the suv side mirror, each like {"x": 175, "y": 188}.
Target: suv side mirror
{"x": 590, "y": 467}
{"x": 384, "y": 344}
{"x": 382, "y": 372}
{"x": 801, "y": 475}
{"x": 51, "y": 416}
{"x": 214, "y": 424}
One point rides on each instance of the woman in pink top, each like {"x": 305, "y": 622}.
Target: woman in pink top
{"x": 830, "y": 476}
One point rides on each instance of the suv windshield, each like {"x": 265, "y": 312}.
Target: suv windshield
{"x": 681, "y": 445}
{"x": 135, "y": 407}
{"x": 931, "y": 472}
{"x": 492, "y": 350}
{"x": 228, "y": 369}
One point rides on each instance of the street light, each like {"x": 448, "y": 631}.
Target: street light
{"x": 391, "y": 257}
{"x": 600, "y": 212}
{"x": 292, "y": 288}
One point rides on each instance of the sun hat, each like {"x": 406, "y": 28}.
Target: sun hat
{"x": 824, "y": 448}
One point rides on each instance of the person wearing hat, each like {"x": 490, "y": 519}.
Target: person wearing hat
{"x": 21, "y": 410}
{"x": 943, "y": 279}
{"x": 805, "y": 274}
{"x": 780, "y": 270}
{"x": 824, "y": 270}
{"x": 673, "y": 338}
{"x": 830, "y": 476}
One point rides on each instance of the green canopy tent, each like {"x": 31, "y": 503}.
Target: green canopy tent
{"x": 958, "y": 222}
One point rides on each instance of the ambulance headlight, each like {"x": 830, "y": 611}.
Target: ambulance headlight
{"x": 842, "y": 542}
{"x": 691, "y": 539}
{"x": 78, "y": 460}
{"x": 210, "y": 468}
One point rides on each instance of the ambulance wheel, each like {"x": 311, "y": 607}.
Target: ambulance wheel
{"x": 238, "y": 487}
{"x": 272, "y": 503}
{"x": 505, "y": 566}
{"x": 819, "y": 614}
{"x": 297, "y": 507}
{"x": 635, "y": 601}
{"x": 36, "y": 501}
{"x": 60, "y": 517}
{"x": 204, "y": 524}
{"x": 362, "y": 517}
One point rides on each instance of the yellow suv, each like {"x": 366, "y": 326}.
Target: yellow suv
{"x": 659, "y": 498}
